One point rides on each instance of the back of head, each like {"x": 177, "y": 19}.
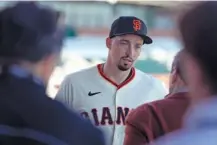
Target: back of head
{"x": 199, "y": 33}
{"x": 177, "y": 79}
{"x": 176, "y": 60}
{"x": 29, "y": 38}
{"x": 27, "y": 33}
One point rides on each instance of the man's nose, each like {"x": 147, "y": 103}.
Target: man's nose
{"x": 131, "y": 51}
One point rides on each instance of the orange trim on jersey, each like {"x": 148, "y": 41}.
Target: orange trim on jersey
{"x": 130, "y": 78}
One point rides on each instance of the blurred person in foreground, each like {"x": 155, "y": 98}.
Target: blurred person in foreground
{"x": 68, "y": 30}
{"x": 198, "y": 29}
{"x": 155, "y": 119}
{"x": 107, "y": 92}
{"x": 29, "y": 48}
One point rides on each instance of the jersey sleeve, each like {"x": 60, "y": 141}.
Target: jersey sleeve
{"x": 65, "y": 93}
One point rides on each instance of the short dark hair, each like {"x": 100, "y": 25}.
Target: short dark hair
{"x": 176, "y": 65}
{"x": 198, "y": 28}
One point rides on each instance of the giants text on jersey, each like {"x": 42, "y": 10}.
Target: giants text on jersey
{"x": 106, "y": 118}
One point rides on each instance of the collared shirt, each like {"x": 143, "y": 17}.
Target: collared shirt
{"x": 182, "y": 90}
{"x": 200, "y": 126}
{"x": 23, "y": 73}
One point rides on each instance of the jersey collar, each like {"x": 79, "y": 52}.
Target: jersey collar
{"x": 129, "y": 78}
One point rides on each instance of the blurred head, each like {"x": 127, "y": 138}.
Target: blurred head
{"x": 44, "y": 67}
{"x": 176, "y": 80}
{"x": 125, "y": 41}
{"x": 28, "y": 38}
{"x": 124, "y": 50}
{"x": 198, "y": 29}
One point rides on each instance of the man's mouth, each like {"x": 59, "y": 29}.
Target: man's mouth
{"x": 128, "y": 59}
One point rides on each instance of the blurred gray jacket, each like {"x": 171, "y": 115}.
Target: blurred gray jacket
{"x": 200, "y": 126}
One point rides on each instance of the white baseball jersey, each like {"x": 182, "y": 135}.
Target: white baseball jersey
{"x": 104, "y": 102}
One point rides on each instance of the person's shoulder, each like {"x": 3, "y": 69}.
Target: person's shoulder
{"x": 175, "y": 100}
{"x": 139, "y": 112}
{"x": 139, "y": 115}
{"x": 145, "y": 76}
{"x": 88, "y": 133}
{"x": 83, "y": 74}
{"x": 91, "y": 134}
{"x": 168, "y": 100}
{"x": 141, "y": 73}
{"x": 150, "y": 79}
{"x": 73, "y": 127}
{"x": 159, "y": 103}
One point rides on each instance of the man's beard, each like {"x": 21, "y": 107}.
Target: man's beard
{"x": 123, "y": 68}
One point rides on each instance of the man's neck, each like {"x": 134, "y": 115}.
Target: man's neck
{"x": 179, "y": 89}
{"x": 116, "y": 75}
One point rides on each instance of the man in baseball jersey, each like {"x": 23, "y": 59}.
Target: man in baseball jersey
{"x": 107, "y": 92}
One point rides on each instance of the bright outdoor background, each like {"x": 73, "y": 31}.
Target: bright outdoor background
{"x": 87, "y": 24}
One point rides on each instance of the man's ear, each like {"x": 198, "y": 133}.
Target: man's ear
{"x": 108, "y": 43}
{"x": 174, "y": 76}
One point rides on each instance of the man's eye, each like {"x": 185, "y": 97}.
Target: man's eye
{"x": 123, "y": 42}
{"x": 138, "y": 47}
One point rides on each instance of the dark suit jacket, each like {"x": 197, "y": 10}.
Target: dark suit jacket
{"x": 152, "y": 120}
{"x": 29, "y": 117}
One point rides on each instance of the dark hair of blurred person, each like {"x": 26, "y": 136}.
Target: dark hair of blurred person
{"x": 176, "y": 79}
{"x": 29, "y": 47}
{"x": 199, "y": 33}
